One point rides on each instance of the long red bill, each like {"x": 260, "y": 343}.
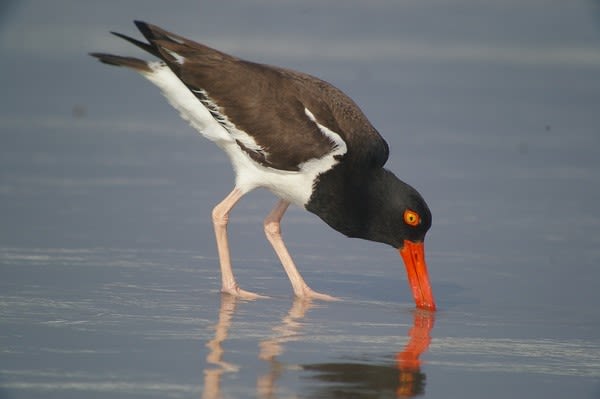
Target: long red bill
{"x": 413, "y": 254}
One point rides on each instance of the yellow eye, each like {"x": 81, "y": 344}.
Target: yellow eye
{"x": 411, "y": 218}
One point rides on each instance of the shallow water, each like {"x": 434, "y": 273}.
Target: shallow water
{"x": 109, "y": 283}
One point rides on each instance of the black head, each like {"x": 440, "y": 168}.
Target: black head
{"x": 396, "y": 211}
{"x": 375, "y": 205}
{"x": 399, "y": 216}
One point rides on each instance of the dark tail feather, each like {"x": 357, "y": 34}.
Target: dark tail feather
{"x": 165, "y": 43}
{"x": 153, "y": 33}
{"x": 130, "y": 62}
{"x": 145, "y": 29}
{"x": 161, "y": 44}
{"x": 144, "y": 46}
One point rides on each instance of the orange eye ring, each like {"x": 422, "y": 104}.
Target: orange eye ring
{"x": 411, "y": 218}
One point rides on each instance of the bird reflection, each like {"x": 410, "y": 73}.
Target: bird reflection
{"x": 357, "y": 379}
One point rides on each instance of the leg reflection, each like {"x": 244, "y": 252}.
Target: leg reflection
{"x": 288, "y": 330}
{"x": 269, "y": 349}
{"x": 212, "y": 376}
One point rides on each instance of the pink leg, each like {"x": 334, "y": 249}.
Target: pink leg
{"x": 220, "y": 217}
{"x": 273, "y": 233}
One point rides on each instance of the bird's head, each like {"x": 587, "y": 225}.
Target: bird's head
{"x": 400, "y": 217}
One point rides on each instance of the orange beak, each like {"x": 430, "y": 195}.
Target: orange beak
{"x": 413, "y": 254}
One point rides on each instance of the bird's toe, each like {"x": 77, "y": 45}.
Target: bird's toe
{"x": 242, "y": 294}
{"x": 309, "y": 293}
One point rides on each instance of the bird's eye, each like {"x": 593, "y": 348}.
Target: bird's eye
{"x": 411, "y": 218}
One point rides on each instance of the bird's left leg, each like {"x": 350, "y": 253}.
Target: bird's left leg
{"x": 220, "y": 217}
{"x": 273, "y": 232}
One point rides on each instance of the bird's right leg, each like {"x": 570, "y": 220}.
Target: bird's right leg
{"x": 273, "y": 232}
{"x": 220, "y": 217}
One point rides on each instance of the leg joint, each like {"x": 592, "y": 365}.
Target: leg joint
{"x": 219, "y": 217}
{"x": 220, "y": 213}
{"x": 272, "y": 228}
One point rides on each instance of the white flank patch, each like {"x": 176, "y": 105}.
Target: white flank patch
{"x": 248, "y": 141}
{"x": 239, "y": 135}
{"x": 339, "y": 145}
{"x": 293, "y": 186}
{"x": 188, "y": 105}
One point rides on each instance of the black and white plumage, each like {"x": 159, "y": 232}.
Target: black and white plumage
{"x": 296, "y": 135}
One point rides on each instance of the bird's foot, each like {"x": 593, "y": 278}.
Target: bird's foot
{"x": 309, "y": 294}
{"x": 237, "y": 292}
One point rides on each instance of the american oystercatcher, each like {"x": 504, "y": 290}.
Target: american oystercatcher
{"x": 299, "y": 137}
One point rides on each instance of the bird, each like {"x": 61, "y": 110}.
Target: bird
{"x": 295, "y": 135}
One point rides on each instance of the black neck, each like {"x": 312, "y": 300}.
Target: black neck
{"x": 368, "y": 204}
{"x": 347, "y": 201}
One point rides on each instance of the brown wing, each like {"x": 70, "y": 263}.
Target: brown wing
{"x": 265, "y": 101}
